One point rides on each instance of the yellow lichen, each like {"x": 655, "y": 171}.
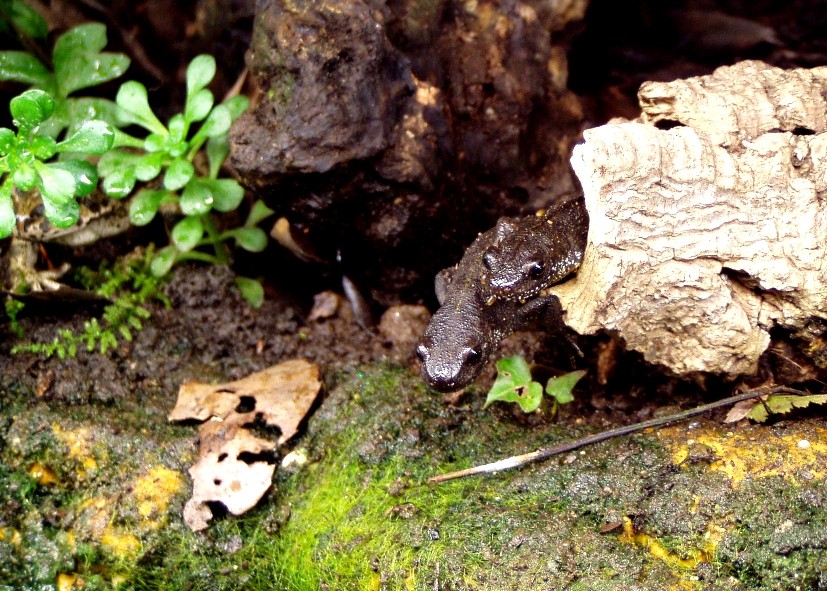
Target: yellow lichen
{"x": 713, "y": 536}
{"x": 96, "y": 513}
{"x": 756, "y": 451}
{"x": 153, "y": 493}
{"x": 79, "y": 443}
{"x": 121, "y": 544}
{"x": 66, "y": 582}
{"x": 44, "y": 475}
{"x": 685, "y": 565}
{"x": 659, "y": 551}
{"x": 71, "y": 540}
{"x": 9, "y": 534}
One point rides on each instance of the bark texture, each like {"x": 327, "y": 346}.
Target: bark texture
{"x": 707, "y": 219}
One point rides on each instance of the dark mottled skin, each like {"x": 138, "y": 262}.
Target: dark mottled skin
{"x": 535, "y": 253}
{"x": 474, "y": 316}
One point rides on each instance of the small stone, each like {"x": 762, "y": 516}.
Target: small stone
{"x": 403, "y": 326}
{"x": 325, "y": 305}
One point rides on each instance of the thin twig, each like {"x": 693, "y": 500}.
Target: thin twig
{"x": 545, "y": 453}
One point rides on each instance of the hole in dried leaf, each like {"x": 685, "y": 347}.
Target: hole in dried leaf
{"x": 219, "y": 510}
{"x": 245, "y": 404}
{"x": 261, "y": 429}
{"x": 249, "y": 457}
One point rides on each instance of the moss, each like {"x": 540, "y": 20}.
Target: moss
{"x": 82, "y": 492}
{"x": 779, "y": 540}
{"x": 358, "y": 515}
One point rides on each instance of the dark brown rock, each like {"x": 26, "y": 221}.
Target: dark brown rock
{"x": 393, "y": 132}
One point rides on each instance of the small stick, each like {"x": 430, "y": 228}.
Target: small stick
{"x": 547, "y": 452}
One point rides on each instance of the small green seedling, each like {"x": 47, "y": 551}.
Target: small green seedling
{"x": 19, "y": 19}
{"x": 514, "y": 384}
{"x": 169, "y": 152}
{"x": 128, "y": 284}
{"x": 24, "y": 156}
{"x": 781, "y": 404}
{"x": 78, "y": 63}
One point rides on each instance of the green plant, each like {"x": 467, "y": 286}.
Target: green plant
{"x": 130, "y": 285}
{"x": 172, "y": 149}
{"x": 78, "y": 63}
{"x": 20, "y": 20}
{"x": 759, "y": 410}
{"x": 514, "y": 384}
{"x": 13, "y": 309}
{"x": 23, "y": 157}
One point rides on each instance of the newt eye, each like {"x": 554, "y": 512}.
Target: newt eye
{"x": 470, "y": 355}
{"x": 422, "y": 352}
{"x": 489, "y": 258}
{"x": 533, "y": 269}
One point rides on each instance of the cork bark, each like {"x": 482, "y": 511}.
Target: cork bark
{"x": 707, "y": 218}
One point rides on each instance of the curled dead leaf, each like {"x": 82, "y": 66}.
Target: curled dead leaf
{"x": 234, "y": 467}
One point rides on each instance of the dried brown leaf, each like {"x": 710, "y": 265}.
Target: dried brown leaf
{"x": 280, "y": 395}
{"x": 234, "y": 468}
{"x": 198, "y": 401}
{"x": 741, "y": 410}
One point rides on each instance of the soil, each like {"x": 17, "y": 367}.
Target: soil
{"x": 208, "y": 333}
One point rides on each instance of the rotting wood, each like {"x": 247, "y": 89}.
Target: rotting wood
{"x": 706, "y": 235}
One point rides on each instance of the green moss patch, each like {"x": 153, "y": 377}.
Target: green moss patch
{"x": 93, "y": 496}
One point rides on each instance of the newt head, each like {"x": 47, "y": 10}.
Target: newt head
{"x": 455, "y": 347}
{"x": 532, "y": 253}
{"x": 517, "y": 268}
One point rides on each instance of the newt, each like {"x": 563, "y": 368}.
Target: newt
{"x": 493, "y": 292}
{"x": 531, "y": 254}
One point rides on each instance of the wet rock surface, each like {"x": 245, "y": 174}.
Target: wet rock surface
{"x": 94, "y": 494}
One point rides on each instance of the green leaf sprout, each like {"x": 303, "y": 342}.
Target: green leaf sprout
{"x": 17, "y": 18}
{"x": 514, "y": 384}
{"x": 782, "y": 404}
{"x": 24, "y": 156}
{"x": 51, "y": 122}
{"x": 78, "y": 63}
{"x": 169, "y": 151}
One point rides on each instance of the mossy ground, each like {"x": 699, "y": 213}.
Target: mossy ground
{"x": 93, "y": 496}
